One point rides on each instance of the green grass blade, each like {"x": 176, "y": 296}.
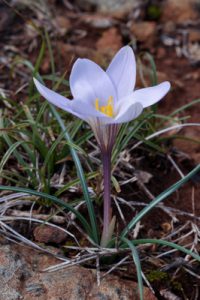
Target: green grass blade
{"x": 180, "y": 137}
{"x": 51, "y": 198}
{"x": 149, "y": 143}
{"x": 81, "y": 176}
{"x": 74, "y": 182}
{"x": 153, "y": 73}
{"x": 18, "y": 156}
{"x": 158, "y": 199}
{"x": 144, "y": 69}
{"x": 8, "y": 153}
{"x": 126, "y": 135}
{"x": 56, "y": 79}
{"x": 41, "y": 112}
{"x": 9, "y": 178}
{"x": 52, "y": 149}
{"x": 50, "y": 54}
{"x": 166, "y": 243}
{"x": 175, "y": 112}
{"x": 123, "y": 139}
{"x": 34, "y": 135}
{"x": 39, "y": 58}
{"x": 76, "y": 126}
{"x": 136, "y": 260}
{"x": 37, "y": 64}
{"x": 55, "y": 144}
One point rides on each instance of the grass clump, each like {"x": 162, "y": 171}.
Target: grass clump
{"x": 54, "y": 158}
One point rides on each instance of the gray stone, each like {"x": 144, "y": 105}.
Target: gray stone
{"x": 107, "y": 6}
{"x": 11, "y": 270}
{"x": 21, "y": 277}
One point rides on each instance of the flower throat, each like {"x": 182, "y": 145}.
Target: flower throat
{"x": 107, "y": 109}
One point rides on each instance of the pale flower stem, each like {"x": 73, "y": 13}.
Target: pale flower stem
{"x": 107, "y": 211}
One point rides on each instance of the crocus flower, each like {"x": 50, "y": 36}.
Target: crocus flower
{"x": 104, "y": 98}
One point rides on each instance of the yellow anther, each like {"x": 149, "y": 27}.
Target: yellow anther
{"x": 97, "y": 104}
{"x": 103, "y": 109}
{"x": 107, "y": 109}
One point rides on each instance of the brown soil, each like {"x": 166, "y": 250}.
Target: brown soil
{"x": 79, "y": 34}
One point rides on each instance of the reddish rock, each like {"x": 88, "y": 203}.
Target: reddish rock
{"x": 194, "y": 35}
{"x": 66, "y": 284}
{"x": 115, "y": 289}
{"x": 144, "y": 32}
{"x": 70, "y": 52}
{"x": 179, "y": 11}
{"x": 21, "y": 278}
{"x": 49, "y": 234}
{"x": 110, "y": 41}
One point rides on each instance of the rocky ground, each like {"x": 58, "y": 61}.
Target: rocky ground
{"x": 170, "y": 31}
{"x": 22, "y": 277}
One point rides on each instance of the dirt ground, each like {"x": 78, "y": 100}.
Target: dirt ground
{"x": 174, "y": 43}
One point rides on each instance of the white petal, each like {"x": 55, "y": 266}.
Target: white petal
{"x": 124, "y": 104}
{"x": 151, "y": 95}
{"x": 89, "y": 82}
{"x": 86, "y": 109}
{"x": 122, "y": 71}
{"x": 131, "y": 113}
{"x": 53, "y": 97}
{"x": 77, "y": 107}
{"x": 59, "y": 100}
